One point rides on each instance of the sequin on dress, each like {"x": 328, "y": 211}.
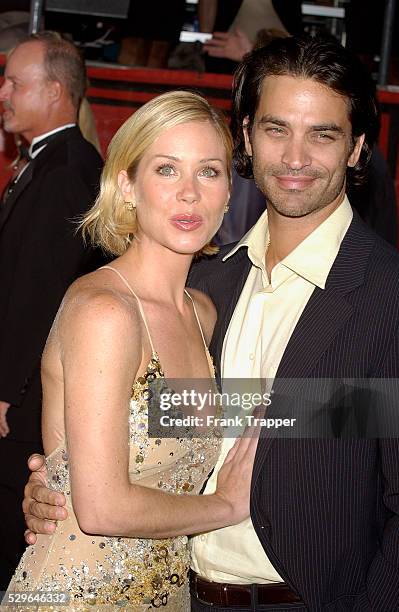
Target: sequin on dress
{"x": 115, "y": 573}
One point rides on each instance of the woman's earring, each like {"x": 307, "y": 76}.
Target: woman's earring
{"x": 130, "y": 205}
{"x": 226, "y": 209}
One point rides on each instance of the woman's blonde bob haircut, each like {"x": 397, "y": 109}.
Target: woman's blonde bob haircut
{"x": 109, "y": 223}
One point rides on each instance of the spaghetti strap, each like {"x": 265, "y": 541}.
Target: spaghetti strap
{"x": 124, "y": 280}
{"x": 207, "y": 353}
{"x": 197, "y": 317}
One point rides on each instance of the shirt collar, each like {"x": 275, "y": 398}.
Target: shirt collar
{"x": 39, "y": 138}
{"x": 256, "y": 239}
{"x": 313, "y": 257}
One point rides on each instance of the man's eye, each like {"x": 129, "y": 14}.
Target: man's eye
{"x": 324, "y": 136}
{"x": 209, "y": 172}
{"x": 275, "y": 131}
{"x": 166, "y": 170}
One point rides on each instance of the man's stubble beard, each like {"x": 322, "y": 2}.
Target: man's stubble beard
{"x": 307, "y": 201}
{"x": 5, "y": 123}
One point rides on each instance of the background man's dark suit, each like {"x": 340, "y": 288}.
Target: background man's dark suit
{"x": 327, "y": 511}
{"x": 40, "y": 256}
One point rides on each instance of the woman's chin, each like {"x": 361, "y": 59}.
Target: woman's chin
{"x": 190, "y": 247}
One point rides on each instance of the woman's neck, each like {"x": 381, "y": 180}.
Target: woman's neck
{"x": 157, "y": 272}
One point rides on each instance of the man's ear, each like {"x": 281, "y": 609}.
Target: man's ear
{"x": 357, "y": 149}
{"x": 245, "y": 129}
{"x": 54, "y": 91}
{"x": 126, "y": 186}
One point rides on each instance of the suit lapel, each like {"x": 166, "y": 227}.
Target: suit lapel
{"x": 37, "y": 162}
{"x": 325, "y": 314}
{"x": 237, "y": 270}
{"x": 20, "y": 186}
{"x": 323, "y": 317}
{"x": 328, "y": 309}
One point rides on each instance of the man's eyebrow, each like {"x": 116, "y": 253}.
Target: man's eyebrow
{"x": 323, "y": 127}
{"x": 328, "y": 127}
{"x": 272, "y": 119}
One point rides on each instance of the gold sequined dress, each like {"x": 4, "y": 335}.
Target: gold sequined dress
{"x": 115, "y": 573}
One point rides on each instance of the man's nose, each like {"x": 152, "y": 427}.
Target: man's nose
{"x": 4, "y": 93}
{"x": 296, "y": 153}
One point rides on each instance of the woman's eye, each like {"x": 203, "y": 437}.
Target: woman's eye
{"x": 209, "y": 172}
{"x": 166, "y": 170}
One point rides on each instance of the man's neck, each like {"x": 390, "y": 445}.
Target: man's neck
{"x": 286, "y": 233}
{"x": 55, "y": 122}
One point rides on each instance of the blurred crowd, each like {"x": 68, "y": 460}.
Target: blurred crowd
{"x": 150, "y": 32}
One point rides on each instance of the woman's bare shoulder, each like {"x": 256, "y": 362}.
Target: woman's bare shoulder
{"x": 95, "y": 301}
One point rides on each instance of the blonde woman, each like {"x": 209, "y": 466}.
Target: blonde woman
{"x": 164, "y": 189}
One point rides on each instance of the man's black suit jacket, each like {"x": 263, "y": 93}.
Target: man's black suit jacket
{"x": 40, "y": 255}
{"x": 327, "y": 511}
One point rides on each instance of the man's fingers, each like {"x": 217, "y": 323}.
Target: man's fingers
{"x": 40, "y": 494}
{"x": 45, "y": 511}
{"x": 30, "y": 537}
{"x": 36, "y": 462}
{"x": 4, "y": 429}
{"x": 36, "y": 479}
{"x": 46, "y": 496}
{"x": 33, "y": 483}
{"x": 39, "y": 526}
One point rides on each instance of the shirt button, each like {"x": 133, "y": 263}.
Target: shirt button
{"x": 202, "y": 538}
{"x": 251, "y": 356}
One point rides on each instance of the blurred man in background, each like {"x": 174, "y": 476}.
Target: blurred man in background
{"x": 40, "y": 253}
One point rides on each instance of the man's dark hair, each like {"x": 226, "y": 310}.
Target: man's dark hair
{"x": 63, "y": 62}
{"x": 325, "y": 61}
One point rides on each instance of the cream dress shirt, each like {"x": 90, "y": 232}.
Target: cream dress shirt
{"x": 260, "y": 328}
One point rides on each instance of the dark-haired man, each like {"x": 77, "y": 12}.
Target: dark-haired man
{"x": 309, "y": 293}
{"x": 40, "y": 255}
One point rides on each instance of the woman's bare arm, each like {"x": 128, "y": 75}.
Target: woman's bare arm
{"x": 101, "y": 352}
